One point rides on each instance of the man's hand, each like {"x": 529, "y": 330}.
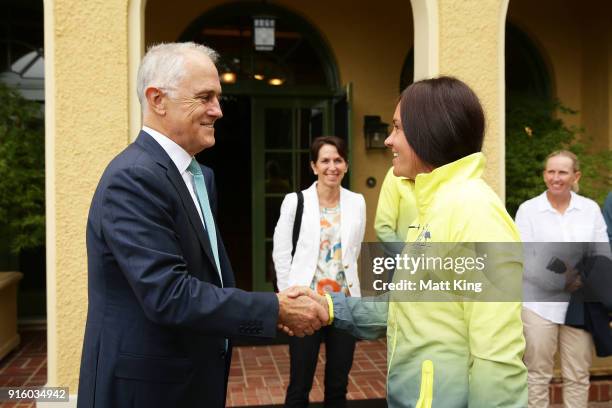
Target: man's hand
{"x": 301, "y": 312}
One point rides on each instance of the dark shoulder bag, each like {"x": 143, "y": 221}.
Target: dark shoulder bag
{"x": 297, "y": 222}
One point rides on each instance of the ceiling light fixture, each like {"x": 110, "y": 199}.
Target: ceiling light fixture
{"x": 228, "y": 78}
{"x": 276, "y": 81}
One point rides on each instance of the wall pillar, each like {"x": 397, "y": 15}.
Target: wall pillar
{"x": 465, "y": 39}
{"x": 86, "y": 111}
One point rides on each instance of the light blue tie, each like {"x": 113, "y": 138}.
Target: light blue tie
{"x": 209, "y": 223}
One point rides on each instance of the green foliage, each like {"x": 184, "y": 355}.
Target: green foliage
{"x": 532, "y": 133}
{"x": 22, "y": 171}
{"x": 596, "y": 169}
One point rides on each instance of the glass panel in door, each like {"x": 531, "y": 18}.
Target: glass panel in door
{"x": 282, "y": 130}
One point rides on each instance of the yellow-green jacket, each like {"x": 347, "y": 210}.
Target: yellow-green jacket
{"x": 396, "y": 208}
{"x": 476, "y": 347}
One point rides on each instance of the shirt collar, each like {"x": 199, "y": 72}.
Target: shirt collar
{"x": 544, "y": 204}
{"x": 178, "y": 155}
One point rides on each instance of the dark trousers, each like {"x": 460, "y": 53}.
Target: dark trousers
{"x": 304, "y": 353}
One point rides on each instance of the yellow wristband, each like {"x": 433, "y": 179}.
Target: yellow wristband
{"x": 330, "y": 308}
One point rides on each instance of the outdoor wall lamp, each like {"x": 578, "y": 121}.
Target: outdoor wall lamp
{"x": 375, "y": 132}
{"x": 263, "y": 28}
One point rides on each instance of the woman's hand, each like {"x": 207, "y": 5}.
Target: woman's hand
{"x": 573, "y": 281}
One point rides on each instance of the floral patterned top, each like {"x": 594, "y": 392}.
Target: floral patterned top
{"x": 329, "y": 276}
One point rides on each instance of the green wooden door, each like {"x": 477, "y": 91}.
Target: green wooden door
{"x": 282, "y": 130}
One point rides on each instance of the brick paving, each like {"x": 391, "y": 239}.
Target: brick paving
{"x": 258, "y": 375}
{"x": 26, "y": 366}
{"x": 600, "y": 393}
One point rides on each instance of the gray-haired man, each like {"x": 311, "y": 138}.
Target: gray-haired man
{"x": 162, "y": 302}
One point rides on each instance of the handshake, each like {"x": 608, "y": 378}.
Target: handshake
{"x": 301, "y": 311}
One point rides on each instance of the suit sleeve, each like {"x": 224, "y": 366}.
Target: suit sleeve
{"x": 138, "y": 225}
{"x": 283, "y": 241}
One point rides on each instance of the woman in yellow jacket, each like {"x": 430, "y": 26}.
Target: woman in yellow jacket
{"x": 473, "y": 348}
{"x": 396, "y": 209}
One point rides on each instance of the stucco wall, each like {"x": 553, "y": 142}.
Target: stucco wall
{"x": 86, "y": 55}
{"x": 86, "y": 52}
{"x": 370, "y": 56}
{"x": 469, "y": 50}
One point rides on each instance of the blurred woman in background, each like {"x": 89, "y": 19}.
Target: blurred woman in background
{"x": 559, "y": 214}
{"x": 325, "y": 259}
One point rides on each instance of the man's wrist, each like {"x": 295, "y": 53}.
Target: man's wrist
{"x": 280, "y": 299}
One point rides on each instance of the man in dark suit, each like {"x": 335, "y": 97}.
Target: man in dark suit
{"x": 162, "y": 302}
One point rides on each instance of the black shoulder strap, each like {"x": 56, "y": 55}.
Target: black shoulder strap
{"x": 297, "y": 222}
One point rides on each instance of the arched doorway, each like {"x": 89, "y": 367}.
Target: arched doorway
{"x": 530, "y": 108}
{"x": 275, "y": 102}
{"x": 407, "y": 75}
{"x": 23, "y": 205}
{"x": 526, "y": 70}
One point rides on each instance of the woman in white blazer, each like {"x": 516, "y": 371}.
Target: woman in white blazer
{"x": 325, "y": 259}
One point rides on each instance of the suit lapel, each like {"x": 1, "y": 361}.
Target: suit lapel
{"x": 177, "y": 181}
{"x": 192, "y": 213}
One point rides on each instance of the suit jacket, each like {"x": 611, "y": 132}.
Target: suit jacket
{"x": 301, "y": 269}
{"x": 590, "y": 306}
{"x": 157, "y": 319}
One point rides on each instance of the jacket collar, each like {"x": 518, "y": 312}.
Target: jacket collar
{"x": 178, "y": 155}
{"x": 311, "y": 192}
{"x": 157, "y": 152}
{"x": 427, "y": 184}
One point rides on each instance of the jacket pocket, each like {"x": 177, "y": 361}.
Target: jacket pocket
{"x": 153, "y": 369}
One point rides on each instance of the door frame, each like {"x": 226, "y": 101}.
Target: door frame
{"x": 258, "y": 151}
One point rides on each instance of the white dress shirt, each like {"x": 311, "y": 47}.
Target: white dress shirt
{"x": 538, "y": 221}
{"x": 181, "y": 160}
